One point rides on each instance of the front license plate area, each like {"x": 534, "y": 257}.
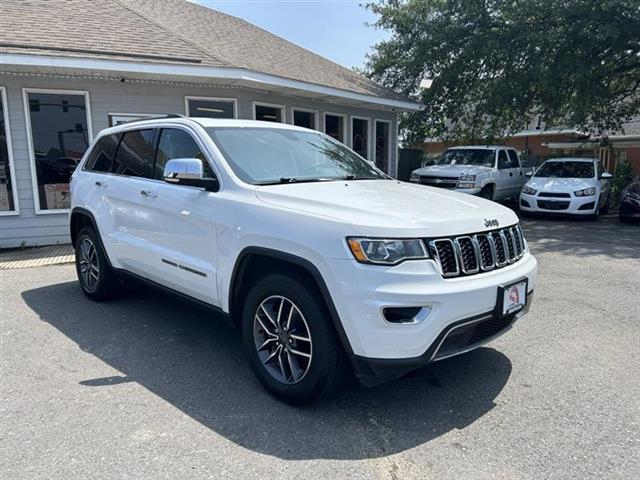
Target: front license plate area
{"x": 512, "y": 297}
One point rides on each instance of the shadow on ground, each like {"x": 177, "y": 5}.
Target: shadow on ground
{"x": 195, "y": 363}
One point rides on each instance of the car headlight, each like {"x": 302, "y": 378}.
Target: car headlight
{"x": 586, "y": 192}
{"x": 386, "y": 251}
{"x": 414, "y": 178}
{"x": 529, "y": 190}
{"x": 467, "y": 181}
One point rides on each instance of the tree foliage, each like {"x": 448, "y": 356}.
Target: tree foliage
{"x": 496, "y": 65}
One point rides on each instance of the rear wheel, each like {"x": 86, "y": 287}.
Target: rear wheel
{"x": 96, "y": 278}
{"x": 290, "y": 340}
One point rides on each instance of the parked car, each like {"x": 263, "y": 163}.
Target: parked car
{"x": 630, "y": 202}
{"x": 492, "y": 172}
{"x": 576, "y": 186}
{"x": 323, "y": 262}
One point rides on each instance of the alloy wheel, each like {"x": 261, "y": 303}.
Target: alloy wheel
{"x": 282, "y": 339}
{"x": 89, "y": 266}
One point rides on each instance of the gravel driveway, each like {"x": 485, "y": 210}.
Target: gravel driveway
{"x": 147, "y": 387}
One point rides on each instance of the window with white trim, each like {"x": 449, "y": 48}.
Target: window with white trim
{"x": 305, "y": 118}
{"x": 268, "y": 113}
{"x": 59, "y": 131}
{"x": 334, "y": 126}
{"x": 8, "y": 202}
{"x": 382, "y": 145}
{"x": 211, "y": 107}
{"x": 360, "y": 136}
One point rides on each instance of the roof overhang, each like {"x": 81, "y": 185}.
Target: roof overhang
{"x": 618, "y": 141}
{"x": 100, "y": 67}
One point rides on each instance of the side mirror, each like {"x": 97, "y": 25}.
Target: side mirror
{"x": 189, "y": 172}
{"x": 605, "y": 175}
{"x": 529, "y": 174}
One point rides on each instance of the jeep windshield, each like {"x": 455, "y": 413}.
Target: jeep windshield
{"x": 468, "y": 156}
{"x": 566, "y": 170}
{"x": 266, "y": 156}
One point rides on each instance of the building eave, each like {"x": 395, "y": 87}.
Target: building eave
{"x": 198, "y": 72}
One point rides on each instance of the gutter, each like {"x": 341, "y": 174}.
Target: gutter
{"x": 198, "y": 71}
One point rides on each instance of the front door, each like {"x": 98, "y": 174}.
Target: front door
{"x": 507, "y": 177}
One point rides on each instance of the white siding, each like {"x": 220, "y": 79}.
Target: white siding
{"x": 128, "y": 97}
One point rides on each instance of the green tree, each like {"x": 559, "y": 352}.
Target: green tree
{"x": 497, "y": 64}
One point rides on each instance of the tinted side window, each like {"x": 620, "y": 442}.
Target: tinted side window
{"x": 135, "y": 154}
{"x": 176, "y": 143}
{"x": 513, "y": 158}
{"x": 101, "y": 158}
{"x": 503, "y": 161}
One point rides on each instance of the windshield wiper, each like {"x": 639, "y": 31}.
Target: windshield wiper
{"x": 284, "y": 180}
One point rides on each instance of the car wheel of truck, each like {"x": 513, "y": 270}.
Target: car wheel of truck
{"x": 290, "y": 340}
{"x": 487, "y": 192}
{"x": 96, "y": 278}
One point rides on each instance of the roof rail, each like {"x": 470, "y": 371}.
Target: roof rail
{"x": 156, "y": 117}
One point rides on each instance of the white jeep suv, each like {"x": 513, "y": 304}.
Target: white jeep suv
{"x": 325, "y": 264}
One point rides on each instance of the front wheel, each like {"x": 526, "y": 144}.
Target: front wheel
{"x": 290, "y": 340}
{"x": 487, "y": 192}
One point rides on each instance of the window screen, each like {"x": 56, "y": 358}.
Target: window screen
{"x": 175, "y": 143}
{"x": 135, "y": 154}
{"x": 304, "y": 119}
{"x": 268, "y": 114}
{"x": 101, "y": 159}
{"x": 334, "y": 127}
{"x": 360, "y": 137}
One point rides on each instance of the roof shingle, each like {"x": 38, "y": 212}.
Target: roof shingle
{"x": 174, "y": 31}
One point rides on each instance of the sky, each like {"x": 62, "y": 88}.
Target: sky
{"x": 335, "y": 29}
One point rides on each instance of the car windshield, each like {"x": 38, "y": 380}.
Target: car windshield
{"x": 263, "y": 156}
{"x": 566, "y": 170}
{"x": 468, "y": 156}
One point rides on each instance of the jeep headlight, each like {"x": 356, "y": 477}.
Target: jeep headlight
{"x": 529, "y": 190}
{"x": 467, "y": 181}
{"x": 386, "y": 251}
{"x": 586, "y": 192}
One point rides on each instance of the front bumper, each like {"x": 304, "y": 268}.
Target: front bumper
{"x": 570, "y": 205}
{"x": 457, "y": 338}
{"x": 361, "y": 292}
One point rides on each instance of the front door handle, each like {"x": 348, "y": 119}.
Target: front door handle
{"x": 100, "y": 184}
{"x": 148, "y": 194}
{"x": 511, "y": 174}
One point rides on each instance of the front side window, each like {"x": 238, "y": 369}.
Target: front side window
{"x": 7, "y": 197}
{"x": 360, "y": 137}
{"x": 176, "y": 143}
{"x": 277, "y": 155}
{"x": 135, "y": 154}
{"x": 503, "y": 160}
{"x": 551, "y": 169}
{"x": 468, "y": 156}
{"x": 210, "y": 108}
{"x": 59, "y": 136}
{"x": 268, "y": 113}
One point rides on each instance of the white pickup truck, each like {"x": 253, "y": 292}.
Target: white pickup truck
{"x": 493, "y": 172}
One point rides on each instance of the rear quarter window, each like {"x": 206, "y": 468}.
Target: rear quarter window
{"x": 101, "y": 157}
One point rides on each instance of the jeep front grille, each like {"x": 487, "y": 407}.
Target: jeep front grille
{"x": 471, "y": 254}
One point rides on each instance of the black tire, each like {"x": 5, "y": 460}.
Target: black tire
{"x": 101, "y": 283}
{"x": 605, "y": 207}
{"x": 326, "y": 368}
{"x": 487, "y": 192}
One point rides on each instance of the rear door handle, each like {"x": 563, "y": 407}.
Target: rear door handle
{"x": 148, "y": 194}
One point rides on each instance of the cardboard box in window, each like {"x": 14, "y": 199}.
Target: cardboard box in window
{"x": 4, "y": 199}
{"x": 57, "y": 196}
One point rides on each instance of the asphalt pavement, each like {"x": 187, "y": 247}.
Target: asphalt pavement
{"x": 148, "y": 387}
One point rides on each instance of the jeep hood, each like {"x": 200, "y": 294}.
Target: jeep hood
{"x": 388, "y": 207}
{"x": 453, "y": 171}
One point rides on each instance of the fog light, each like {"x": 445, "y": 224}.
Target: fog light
{"x": 406, "y": 315}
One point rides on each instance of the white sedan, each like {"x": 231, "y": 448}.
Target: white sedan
{"x": 578, "y": 186}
